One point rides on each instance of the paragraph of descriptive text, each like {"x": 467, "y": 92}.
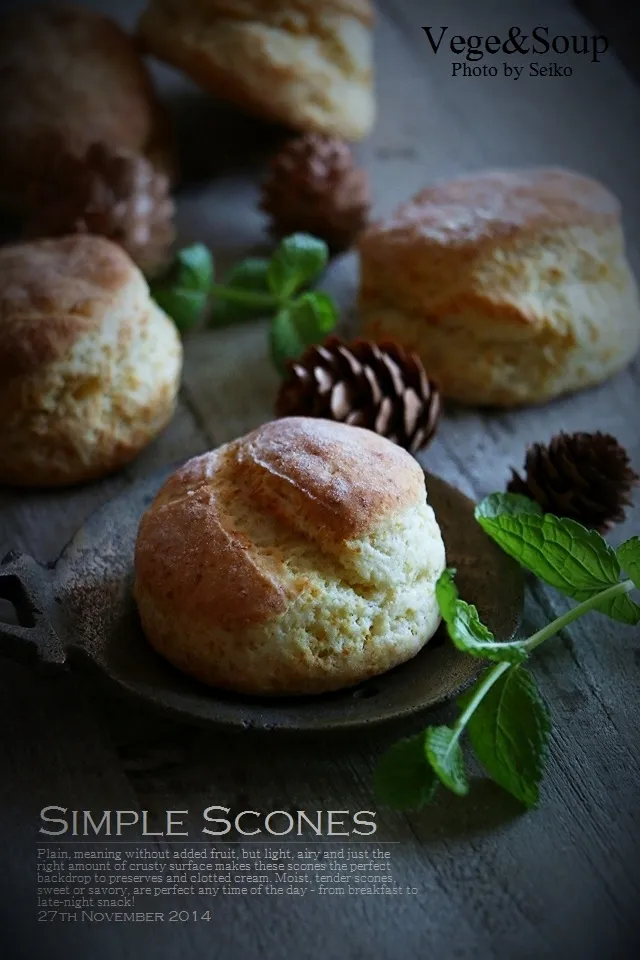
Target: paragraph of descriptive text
{"x": 141, "y": 883}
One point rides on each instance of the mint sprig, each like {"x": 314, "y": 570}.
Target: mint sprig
{"x": 503, "y": 716}
{"x": 255, "y": 287}
{"x": 275, "y": 288}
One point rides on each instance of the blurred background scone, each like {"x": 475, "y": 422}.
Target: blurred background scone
{"x": 70, "y": 77}
{"x": 89, "y": 365}
{"x": 307, "y": 64}
{"x": 513, "y": 286}
{"x": 299, "y": 559}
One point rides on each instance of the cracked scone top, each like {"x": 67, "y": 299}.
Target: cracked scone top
{"x": 298, "y": 559}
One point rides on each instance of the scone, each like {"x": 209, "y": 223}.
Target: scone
{"x": 512, "y": 286}
{"x": 70, "y": 77}
{"x": 303, "y": 63}
{"x": 299, "y": 559}
{"x": 89, "y": 365}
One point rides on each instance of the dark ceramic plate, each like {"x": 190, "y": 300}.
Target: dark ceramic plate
{"x": 80, "y": 613}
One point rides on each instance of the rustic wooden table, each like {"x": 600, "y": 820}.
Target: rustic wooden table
{"x": 564, "y": 880}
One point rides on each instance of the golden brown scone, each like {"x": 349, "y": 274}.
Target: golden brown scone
{"x": 299, "y": 559}
{"x": 70, "y": 77}
{"x": 513, "y": 286}
{"x": 89, "y": 365}
{"x": 303, "y": 63}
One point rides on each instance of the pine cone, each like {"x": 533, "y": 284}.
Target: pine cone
{"x": 112, "y": 192}
{"x": 377, "y": 386}
{"x": 584, "y": 476}
{"x": 313, "y": 186}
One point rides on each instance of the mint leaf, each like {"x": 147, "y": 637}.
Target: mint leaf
{"x": 447, "y": 593}
{"x": 403, "y": 778}
{"x": 296, "y": 262}
{"x": 314, "y": 316}
{"x": 466, "y": 630}
{"x": 317, "y": 313}
{"x": 184, "y": 290}
{"x": 507, "y": 504}
{"x": 577, "y": 561}
{"x": 470, "y": 635}
{"x": 621, "y": 608}
{"x": 445, "y": 756}
{"x": 509, "y": 732}
{"x": 284, "y": 340}
{"x": 248, "y": 276}
{"x": 194, "y": 267}
{"x": 298, "y": 325}
{"x": 628, "y": 554}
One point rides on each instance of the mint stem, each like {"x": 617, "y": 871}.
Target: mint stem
{"x": 490, "y": 678}
{"x": 625, "y": 586}
{"x": 494, "y": 674}
{"x": 244, "y": 296}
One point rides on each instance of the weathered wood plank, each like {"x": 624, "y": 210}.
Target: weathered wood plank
{"x": 493, "y": 883}
{"x": 60, "y": 750}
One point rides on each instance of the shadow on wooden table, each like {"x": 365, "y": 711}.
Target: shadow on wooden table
{"x": 212, "y": 137}
{"x": 176, "y": 766}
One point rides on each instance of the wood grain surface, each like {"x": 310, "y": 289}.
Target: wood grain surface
{"x": 561, "y": 881}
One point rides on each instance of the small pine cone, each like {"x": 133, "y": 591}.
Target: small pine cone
{"x": 377, "y": 386}
{"x": 584, "y": 476}
{"x": 313, "y": 186}
{"x": 112, "y": 192}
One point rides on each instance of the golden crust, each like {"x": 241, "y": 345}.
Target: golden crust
{"x": 443, "y": 233}
{"x": 302, "y": 64}
{"x": 300, "y": 558}
{"x": 196, "y": 562}
{"x": 70, "y": 77}
{"x": 52, "y": 292}
{"x": 89, "y": 365}
{"x": 488, "y": 208}
{"x": 326, "y": 476}
{"x": 316, "y": 478}
{"x": 513, "y": 286}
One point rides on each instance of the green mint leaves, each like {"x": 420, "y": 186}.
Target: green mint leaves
{"x": 628, "y": 555}
{"x": 509, "y": 732}
{"x": 465, "y": 628}
{"x": 298, "y": 260}
{"x": 442, "y": 745}
{"x": 561, "y": 552}
{"x": 403, "y": 778}
{"x": 503, "y": 717}
{"x": 567, "y": 556}
{"x": 306, "y": 321}
{"x": 255, "y": 287}
{"x": 273, "y": 287}
{"x": 184, "y": 290}
{"x": 247, "y": 293}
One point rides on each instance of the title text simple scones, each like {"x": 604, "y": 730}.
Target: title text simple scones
{"x": 299, "y": 559}
{"x": 513, "y": 286}
{"x": 89, "y": 364}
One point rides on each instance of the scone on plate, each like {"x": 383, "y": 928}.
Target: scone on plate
{"x": 303, "y": 63}
{"x": 89, "y": 364}
{"x": 299, "y": 559}
{"x": 513, "y": 286}
{"x": 70, "y": 77}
